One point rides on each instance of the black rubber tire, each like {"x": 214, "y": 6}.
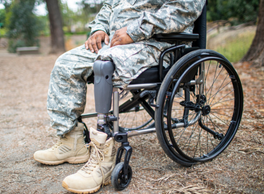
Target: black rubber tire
{"x": 117, "y": 179}
{"x": 169, "y": 139}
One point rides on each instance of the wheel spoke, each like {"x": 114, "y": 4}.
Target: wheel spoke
{"x": 208, "y": 117}
{"x": 219, "y": 88}
{"x": 205, "y": 79}
{"x": 185, "y": 128}
{"x": 196, "y": 145}
{"x": 217, "y": 93}
{"x": 214, "y": 124}
{"x": 215, "y": 78}
{"x": 188, "y": 140}
{"x": 220, "y": 114}
{"x": 222, "y": 101}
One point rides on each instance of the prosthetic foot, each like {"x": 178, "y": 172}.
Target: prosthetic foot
{"x": 70, "y": 148}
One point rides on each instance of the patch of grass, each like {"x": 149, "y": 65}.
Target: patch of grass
{"x": 2, "y": 32}
{"x": 75, "y": 33}
{"x": 237, "y": 47}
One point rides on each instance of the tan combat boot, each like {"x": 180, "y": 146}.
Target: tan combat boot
{"x": 70, "y": 148}
{"x": 97, "y": 171}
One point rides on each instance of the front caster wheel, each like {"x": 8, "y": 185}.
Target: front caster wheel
{"x": 118, "y": 178}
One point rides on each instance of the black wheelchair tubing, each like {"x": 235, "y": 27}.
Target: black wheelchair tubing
{"x": 179, "y": 66}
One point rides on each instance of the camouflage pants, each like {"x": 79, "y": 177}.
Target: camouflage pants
{"x": 67, "y": 88}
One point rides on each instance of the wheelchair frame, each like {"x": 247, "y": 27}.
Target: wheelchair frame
{"x": 186, "y": 72}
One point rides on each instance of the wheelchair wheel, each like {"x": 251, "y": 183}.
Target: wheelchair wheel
{"x": 204, "y": 99}
{"x": 133, "y": 115}
{"x": 118, "y": 179}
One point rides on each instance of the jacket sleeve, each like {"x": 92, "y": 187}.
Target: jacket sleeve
{"x": 173, "y": 16}
{"x": 101, "y": 21}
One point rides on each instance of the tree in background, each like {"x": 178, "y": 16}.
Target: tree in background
{"x": 22, "y": 25}
{"x": 56, "y": 31}
{"x": 240, "y": 11}
{"x": 255, "y": 53}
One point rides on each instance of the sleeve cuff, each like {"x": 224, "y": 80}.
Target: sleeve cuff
{"x": 134, "y": 31}
{"x": 98, "y": 28}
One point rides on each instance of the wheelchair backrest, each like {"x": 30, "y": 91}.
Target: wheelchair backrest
{"x": 200, "y": 28}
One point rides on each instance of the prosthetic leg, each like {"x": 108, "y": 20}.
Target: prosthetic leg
{"x": 97, "y": 171}
{"x": 103, "y": 71}
{"x": 103, "y": 88}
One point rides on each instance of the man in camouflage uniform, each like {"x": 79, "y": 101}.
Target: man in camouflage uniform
{"x": 121, "y": 34}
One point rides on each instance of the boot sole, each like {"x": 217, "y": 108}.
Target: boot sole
{"x": 87, "y": 191}
{"x": 72, "y": 160}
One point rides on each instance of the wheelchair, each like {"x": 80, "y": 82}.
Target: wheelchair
{"x": 195, "y": 105}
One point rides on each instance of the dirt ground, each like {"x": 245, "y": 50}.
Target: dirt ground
{"x": 24, "y": 128}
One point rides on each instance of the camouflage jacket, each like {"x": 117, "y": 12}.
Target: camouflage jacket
{"x": 144, "y": 18}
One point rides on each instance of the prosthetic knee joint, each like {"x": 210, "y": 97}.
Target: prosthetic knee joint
{"x": 103, "y": 87}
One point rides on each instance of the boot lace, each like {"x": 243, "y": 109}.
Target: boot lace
{"x": 95, "y": 159}
{"x": 56, "y": 145}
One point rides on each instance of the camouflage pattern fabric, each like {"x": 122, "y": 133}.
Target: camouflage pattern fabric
{"x": 144, "y": 18}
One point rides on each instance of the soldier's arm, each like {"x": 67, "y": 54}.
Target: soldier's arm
{"x": 173, "y": 16}
{"x": 99, "y": 28}
{"x": 101, "y": 21}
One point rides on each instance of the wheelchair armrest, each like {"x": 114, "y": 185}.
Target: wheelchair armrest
{"x": 176, "y": 37}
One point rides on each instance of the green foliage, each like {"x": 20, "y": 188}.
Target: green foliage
{"x": 76, "y": 22}
{"x": 236, "y": 48}
{"x": 244, "y": 10}
{"x": 69, "y": 17}
{"x": 22, "y": 25}
{"x": 2, "y": 32}
{"x": 43, "y": 22}
{"x": 2, "y": 17}
{"x": 91, "y": 8}
{"x": 240, "y": 10}
{"x": 75, "y": 33}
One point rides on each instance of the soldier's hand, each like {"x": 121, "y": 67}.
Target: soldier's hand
{"x": 121, "y": 37}
{"x": 94, "y": 42}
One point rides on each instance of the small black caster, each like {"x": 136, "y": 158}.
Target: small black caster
{"x": 119, "y": 180}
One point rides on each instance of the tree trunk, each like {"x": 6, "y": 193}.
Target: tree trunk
{"x": 56, "y": 31}
{"x": 255, "y": 53}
